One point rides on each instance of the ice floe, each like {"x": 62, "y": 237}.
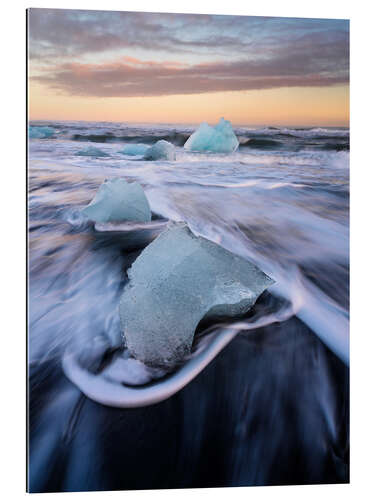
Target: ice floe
{"x": 40, "y": 132}
{"x": 161, "y": 150}
{"x": 92, "y": 151}
{"x": 217, "y": 139}
{"x": 134, "y": 149}
{"x": 117, "y": 200}
{"x": 178, "y": 280}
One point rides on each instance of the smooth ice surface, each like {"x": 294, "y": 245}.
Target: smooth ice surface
{"x": 161, "y": 150}
{"x": 116, "y": 201}
{"x": 92, "y": 151}
{"x": 40, "y": 132}
{"x": 176, "y": 281}
{"x": 134, "y": 149}
{"x": 217, "y": 139}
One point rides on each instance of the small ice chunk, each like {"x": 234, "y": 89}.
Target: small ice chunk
{"x": 134, "y": 149}
{"x": 177, "y": 280}
{"x": 161, "y": 150}
{"x": 92, "y": 151}
{"x": 217, "y": 139}
{"x": 40, "y": 132}
{"x": 117, "y": 200}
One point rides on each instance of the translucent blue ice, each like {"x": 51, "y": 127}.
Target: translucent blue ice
{"x": 161, "y": 150}
{"x": 134, "y": 149}
{"x": 92, "y": 151}
{"x": 40, "y": 132}
{"x": 176, "y": 281}
{"x": 117, "y": 200}
{"x": 217, "y": 139}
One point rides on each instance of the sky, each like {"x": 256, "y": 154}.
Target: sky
{"x": 184, "y": 68}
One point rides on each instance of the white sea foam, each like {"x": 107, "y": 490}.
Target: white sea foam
{"x": 284, "y": 210}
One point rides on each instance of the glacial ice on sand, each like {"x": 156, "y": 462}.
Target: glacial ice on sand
{"x": 134, "y": 149}
{"x": 40, "y": 132}
{"x": 217, "y": 139}
{"x": 92, "y": 151}
{"x": 161, "y": 150}
{"x": 176, "y": 281}
{"x": 117, "y": 200}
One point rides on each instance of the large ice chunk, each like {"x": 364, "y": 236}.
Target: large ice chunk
{"x": 175, "y": 282}
{"x": 117, "y": 201}
{"x": 40, "y": 132}
{"x": 161, "y": 150}
{"x": 134, "y": 149}
{"x": 217, "y": 139}
{"x": 92, "y": 151}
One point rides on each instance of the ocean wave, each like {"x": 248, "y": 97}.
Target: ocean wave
{"x": 114, "y": 386}
{"x": 336, "y": 146}
{"x": 260, "y": 143}
{"x": 176, "y": 138}
{"x": 294, "y": 131}
{"x": 267, "y": 138}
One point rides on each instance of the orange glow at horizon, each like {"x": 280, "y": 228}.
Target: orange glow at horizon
{"x": 302, "y": 106}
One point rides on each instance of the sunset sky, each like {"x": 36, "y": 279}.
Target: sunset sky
{"x": 183, "y": 68}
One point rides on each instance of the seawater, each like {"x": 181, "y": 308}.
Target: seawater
{"x": 282, "y": 201}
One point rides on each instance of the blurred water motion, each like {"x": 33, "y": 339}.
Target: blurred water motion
{"x": 272, "y": 407}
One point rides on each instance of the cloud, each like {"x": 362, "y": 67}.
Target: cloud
{"x": 242, "y": 53}
{"x": 308, "y": 64}
{"x": 61, "y": 33}
{"x": 73, "y": 33}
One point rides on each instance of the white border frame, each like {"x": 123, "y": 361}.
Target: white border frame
{"x": 13, "y": 151}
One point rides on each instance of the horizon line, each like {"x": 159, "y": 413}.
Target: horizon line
{"x": 236, "y": 124}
